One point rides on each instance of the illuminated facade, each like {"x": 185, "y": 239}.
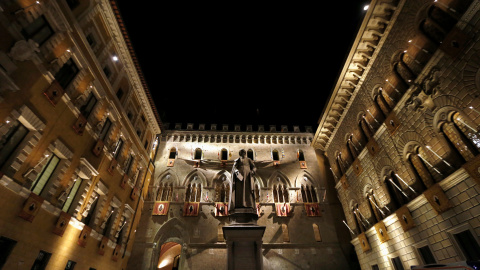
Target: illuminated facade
{"x": 185, "y": 209}
{"x": 401, "y": 134}
{"x": 76, "y": 136}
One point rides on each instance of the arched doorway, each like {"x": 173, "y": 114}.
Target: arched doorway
{"x": 169, "y": 256}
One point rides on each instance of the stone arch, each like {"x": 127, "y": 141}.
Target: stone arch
{"x": 300, "y": 179}
{"x": 278, "y": 175}
{"x": 172, "y": 231}
{"x": 201, "y": 177}
{"x": 173, "y": 177}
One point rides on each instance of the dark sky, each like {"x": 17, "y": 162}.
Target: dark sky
{"x": 239, "y": 63}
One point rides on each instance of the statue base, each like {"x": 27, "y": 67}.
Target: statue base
{"x": 244, "y": 240}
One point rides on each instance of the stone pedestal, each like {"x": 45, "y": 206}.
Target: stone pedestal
{"x": 244, "y": 241}
{"x": 244, "y": 246}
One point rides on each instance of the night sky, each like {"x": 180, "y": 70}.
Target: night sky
{"x": 270, "y": 64}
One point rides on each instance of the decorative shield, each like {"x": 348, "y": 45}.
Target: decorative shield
{"x": 97, "y": 149}
{"x": 171, "y": 162}
{"x": 134, "y": 194}
{"x": 31, "y": 207}
{"x": 103, "y": 245}
{"x": 160, "y": 208}
{"x": 82, "y": 239}
{"x": 116, "y": 253}
{"x": 282, "y": 209}
{"x": 190, "y": 209}
{"x": 112, "y": 167}
{"x": 54, "y": 93}
{"x": 124, "y": 181}
{"x": 79, "y": 125}
{"x": 62, "y": 223}
{"x": 303, "y": 164}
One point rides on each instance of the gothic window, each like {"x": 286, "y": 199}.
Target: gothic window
{"x": 90, "y": 209}
{"x": 39, "y": 30}
{"x": 198, "y": 154}
{"x": 66, "y": 73}
{"x": 358, "y": 220}
{"x": 173, "y": 153}
{"x": 250, "y": 154}
{"x": 224, "y": 154}
{"x": 301, "y": 155}
{"x": 71, "y": 193}
{"x": 340, "y": 164}
{"x": 275, "y": 194}
{"x": 11, "y": 140}
{"x": 87, "y": 108}
{"x": 366, "y": 128}
{"x": 374, "y": 206}
{"x": 383, "y": 103}
{"x": 45, "y": 175}
{"x": 120, "y": 93}
{"x": 275, "y": 155}
{"x": 352, "y": 148}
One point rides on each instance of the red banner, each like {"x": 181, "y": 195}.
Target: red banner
{"x": 221, "y": 209}
{"x": 160, "y": 208}
{"x": 282, "y": 209}
{"x": 313, "y": 209}
{"x": 190, "y": 209}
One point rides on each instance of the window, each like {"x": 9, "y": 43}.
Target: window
{"x": 90, "y": 208}
{"x": 275, "y": 155}
{"x": 39, "y": 30}
{"x": 44, "y": 176}
{"x": 120, "y": 93}
{"x": 91, "y": 41}
{"x": 426, "y": 255}
{"x": 70, "y": 265}
{"x": 397, "y": 263}
{"x": 375, "y": 267}
{"x": 10, "y": 141}
{"x": 173, "y": 153}
{"x": 118, "y": 148}
{"x": 41, "y": 261}
{"x": 66, "y": 74}
{"x": 224, "y": 154}
{"x": 6, "y": 247}
{"x": 105, "y": 129}
{"x": 198, "y": 153}
{"x": 72, "y": 4}
{"x": 250, "y": 154}
{"x": 107, "y": 71}
{"x": 129, "y": 164}
{"x": 468, "y": 245}
{"x": 71, "y": 194}
{"x": 301, "y": 156}
{"x": 87, "y": 108}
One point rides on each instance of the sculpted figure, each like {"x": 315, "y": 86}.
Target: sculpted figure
{"x": 242, "y": 187}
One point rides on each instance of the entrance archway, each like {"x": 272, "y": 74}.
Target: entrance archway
{"x": 170, "y": 253}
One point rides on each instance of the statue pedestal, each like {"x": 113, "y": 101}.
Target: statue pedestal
{"x": 244, "y": 241}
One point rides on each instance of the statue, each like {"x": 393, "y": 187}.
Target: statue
{"x": 242, "y": 191}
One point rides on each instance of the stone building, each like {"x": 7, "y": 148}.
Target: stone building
{"x": 193, "y": 169}
{"x": 77, "y": 128}
{"x": 401, "y": 134}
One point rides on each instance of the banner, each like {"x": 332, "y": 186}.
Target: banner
{"x": 190, "y": 209}
{"x": 82, "y": 239}
{"x": 160, "y": 208}
{"x": 313, "y": 209}
{"x": 103, "y": 245}
{"x": 62, "y": 223}
{"x": 282, "y": 209}
{"x": 221, "y": 209}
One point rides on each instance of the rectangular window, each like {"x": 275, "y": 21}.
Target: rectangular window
{"x": 72, "y": 194}
{"x": 66, "y": 74}
{"x": 44, "y": 176}
{"x": 107, "y": 71}
{"x": 10, "y": 141}
{"x": 469, "y": 245}
{"x": 91, "y": 40}
{"x": 375, "y": 267}
{"x": 118, "y": 148}
{"x": 39, "y": 30}
{"x": 87, "y": 108}
{"x": 6, "y": 247}
{"x": 105, "y": 129}
{"x": 72, "y": 4}
{"x": 129, "y": 164}
{"x": 70, "y": 265}
{"x": 119, "y": 93}
{"x": 426, "y": 255}
{"x": 41, "y": 261}
{"x": 397, "y": 263}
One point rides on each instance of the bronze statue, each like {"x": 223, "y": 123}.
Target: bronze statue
{"x": 242, "y": 188}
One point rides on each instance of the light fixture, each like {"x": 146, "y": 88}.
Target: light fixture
{"x": 366, "y": 7}
{"x": 115, "y": 58}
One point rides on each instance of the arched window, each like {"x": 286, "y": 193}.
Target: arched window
{"x": 173, "y": 153}
{"x": 374, "y": 206}
{"x": 462, "y": 136}
{"x": 224, "y": 154}
{"x": 353, "y": 150}
{"x": 418, "y": 162}
{"x": 385, "y": 103}
{"x": 301, "y": 156}
{"x": 358, "y": 220}
{"x": 198, "y": 154}
{"x": 366, "y": 128}
{"x": 398, "y": 196}
{"x": 341, "y": 164}
{"x": 250, "y": 154}
{"x": 275, "y": 155}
